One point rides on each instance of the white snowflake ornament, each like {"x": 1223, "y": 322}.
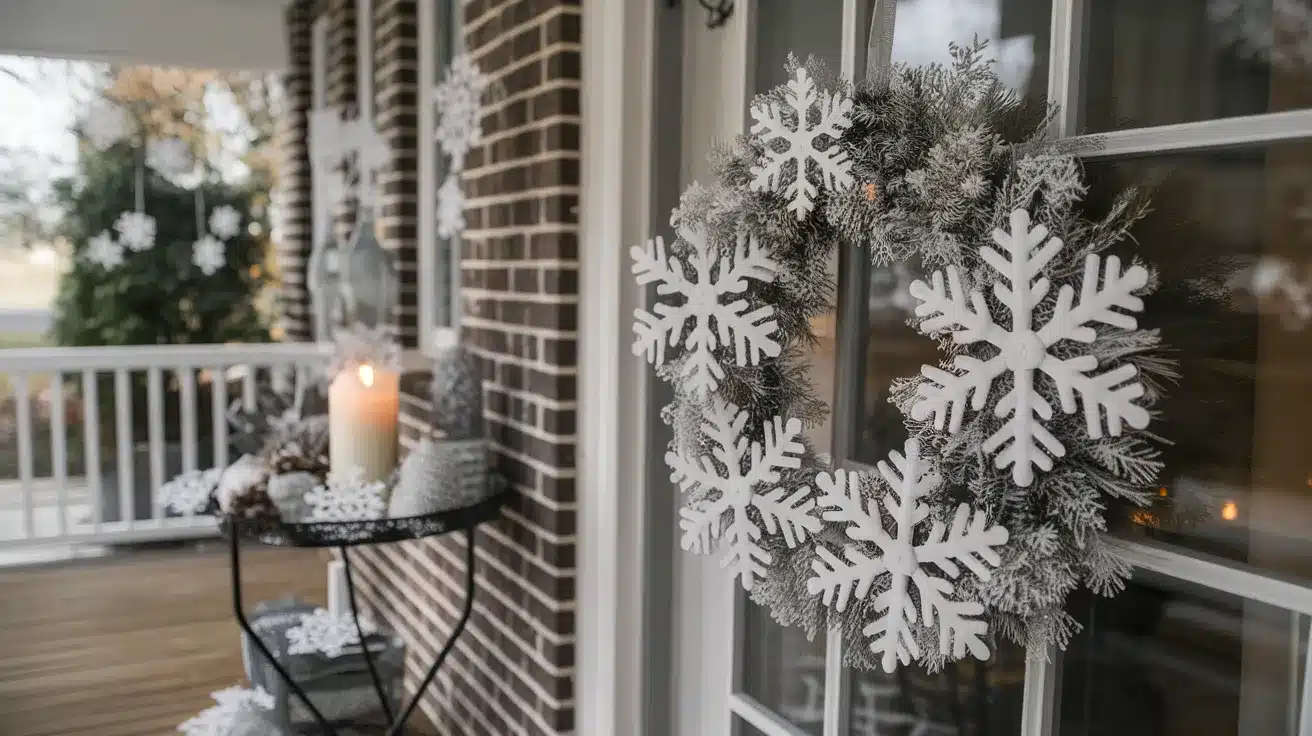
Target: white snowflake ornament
{"x": 1023, "y": 348}
{"x": 207, "y": 254}
{"x": 347, "y": 497}
{"x": 324, "y": 633}
{"x": 711, "y": 279}
{"x": 889, "y": 555}
{"x": 737, "y": 475}
{"x": 450, "y": 207}
{"x": 169, "y": 156}
{"x": 230, "y": 704}
{"x": 190, "y": 492}
{"x": 225, "y": 222}
{"x": 789, "y": 170}
{"x": 106, "y": 124}
{"x": 136, "y": 230}
{"x": 459, "y": 105}
{"x": 104, "y": 251}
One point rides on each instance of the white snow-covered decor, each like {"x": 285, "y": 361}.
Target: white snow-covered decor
{"x": 104, "y": 251}
{"x": 106, "y": 123}
{"x": 190, "y": 492}
{"x": 459, "y": 100}
{"x": 322, "y": 632}
{"x": 347, "y": 497}
{"x": 136, "y": 230}
{"x": 230, "y": 706}
{"x": 450, "y": 207}
{"x": 225, "y": 222}
{"x": 208, "y": 255}
{"x": 169, "y": 156}
{"x": 896, "y": 548}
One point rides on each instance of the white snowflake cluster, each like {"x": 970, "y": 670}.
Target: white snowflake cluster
{"x": 209, "y": 252}
{"x": 136, "y": 231}
{"x": 450, "y": 207}
{"x": 347, "y": 496}
{"x": 106, "y": 123}
{"x": 459, "y": 101}
{"x": 190, "y": 492}
{"x": 104, "y": 251}
{"x": 1023, "y": 348}
{"x": 230, "y": 703}
{"x": 322, "y": 632}
{"x": 169, "y": 156}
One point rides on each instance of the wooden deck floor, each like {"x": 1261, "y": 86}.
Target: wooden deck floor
{"x": 133, "y": 644}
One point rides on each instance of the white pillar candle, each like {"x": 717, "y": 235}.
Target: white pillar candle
{"x": 363, "y": 407}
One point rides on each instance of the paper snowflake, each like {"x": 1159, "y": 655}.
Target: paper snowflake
{"x": 450, "y": 207}
{"x": 734, "y": 477}
{"x": 787, "y": 167}
{"x": 104, "y": 251}
{"x": 346, "y": 497}
{"x": 887, "y": 554}
{"x": 207, "y": 253}
{"x": 712, "y": 278}
{"x": 220, "y": 719}
{"x": 136, "y": 230}
{"x": 169, "y": 156}
{"x": 225, "y": 222}
{"x": 323, "y": 633}
{"x": 106, "y": 124}
{"x": 458, "y": 99}
{"x": 1023, "y": 348}
{"x": 190, "y": 492}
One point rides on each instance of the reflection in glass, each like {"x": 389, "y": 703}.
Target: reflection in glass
{"x": 783, "y": 671}
{"x": 1167, "y": 658}
{"x": 743, "y": 728}
{"x": 804, "y": 28}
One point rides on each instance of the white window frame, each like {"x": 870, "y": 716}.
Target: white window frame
{"x": 320, "y": 210}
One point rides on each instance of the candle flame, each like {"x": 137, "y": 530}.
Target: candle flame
{"x": 367, "y": 375}
{"x": 1230, "y": 511}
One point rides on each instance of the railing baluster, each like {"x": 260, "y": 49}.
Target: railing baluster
{"x": 187, "y": 379}
{"x": 248, "y": 388}
{"x": 155, "y": 426}
{"x": 219, "y": 384}
{"x": 25, "y": 452}
{"x": 123, "y": 429}
{"x": 91, "y": 445}
{"x": 59, "y": 449}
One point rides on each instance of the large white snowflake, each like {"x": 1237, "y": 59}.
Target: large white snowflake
{"x": 208, "y": 255}
{"x": 459, "y": 105}
{"x": 219, "y": 719}
{"x": 712, "y": 278}
{"x": 736, "y": 476}
{"x": 225, "y": 222}
{"x": 104, "y": 251}
{"x": 890, "y": 551}
{"x": 190, "y": 492}
{"x": 324, "y": 633}
{"x": 1023, "y": 348}
{"x": 347, "y": 497}
{"x": 450, "y": 207}
{"x": 136, "y": 230}
{"x": 790, "y": 125}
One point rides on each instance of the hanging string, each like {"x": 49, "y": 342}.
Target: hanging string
{"x": 200, "y": 213}
{"x": 139, "y": 179}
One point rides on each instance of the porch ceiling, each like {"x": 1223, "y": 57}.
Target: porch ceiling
{"x": 222, "y": 34}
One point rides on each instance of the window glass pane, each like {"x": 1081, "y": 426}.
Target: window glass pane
{"x": 1231, "y": 232}
{"x": 1166, "y": 657}
{"x": 784, "y": 671}
{"x": 447, "y": 259}
{"x": 743, "y": 728}
{"x": 801, "y": 27}
{"x": 1176, "y": 61}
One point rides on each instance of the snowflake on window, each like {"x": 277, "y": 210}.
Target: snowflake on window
{"x": 231, "y": 704}
{"x": 190, "y": 493}
{"x": 136, "y": 230}
{"x": 104, "y": 251}
{"x": 450, "y": 207}
{"x": 207, "y": 253}
{"x": 734, "y": 477}
{"x": 324, "y": 633}
{"x": 106, "y": 124}
{"x": 713, "y": 277}
{"x": 1023, "y": 348}
{"x": 458, "y": 99}
{"x": 789, "y": 138}
{"x": 225, "y": 222}
{"x": 896, "y": 560}
{"x": 346, "y": 497}
{"x": 169, "y": 156}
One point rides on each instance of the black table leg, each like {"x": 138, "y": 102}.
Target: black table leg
{"x": 235, "y": 563}
{"x": 383, "y": 697}
{"x": 451, "y": 640}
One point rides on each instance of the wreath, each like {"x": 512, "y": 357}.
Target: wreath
{"x": 992, "y": 513}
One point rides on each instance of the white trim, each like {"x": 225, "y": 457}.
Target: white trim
{"x": 1065, "y": 60}
{"x": 762, "y": 718}
{"x": 427, "y": 193}
{"x": 319, "y": 63}
{"x": 364, "y": 61}
{"x": 1039, "y": 708}
{"x": 1203, "y": 135}
{"x": 836, "y": 695}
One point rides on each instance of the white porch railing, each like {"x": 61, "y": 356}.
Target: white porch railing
{"x": 77, "y": 461}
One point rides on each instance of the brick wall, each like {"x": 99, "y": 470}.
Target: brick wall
{"x": 294, "y": 182}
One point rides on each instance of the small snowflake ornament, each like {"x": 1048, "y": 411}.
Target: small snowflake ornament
{"x": 790, "y": 140}
{"x": 324, "y": 633}
{"x": 458, "y": 99}
{"x": 169, "y": 156}
{"x": 207, "y": 253}
{"x": 711, "y": 279}
{"x": 450, "y": 207}
{"x": 104, "y": 251}
{"x": 891, "y": 553}
{"x": 225, "y": 222}
{"x": 1023, "y": 348}
{"x": 230, "y": 704}
{"x": 106, "y": 124}
{"x": 136, "y": 230}
{"x": 347, "y": 497}
{"x": 190, "y": 493}
{"x": 736, "y": 475}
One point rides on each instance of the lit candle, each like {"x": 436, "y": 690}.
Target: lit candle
{"x": 362, "y": 421}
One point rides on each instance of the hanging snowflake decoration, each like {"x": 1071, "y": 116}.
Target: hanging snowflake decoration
{"x": 190, "y": 493}
{"x": 888, "y": 554}
{"x": 751, "y": 333}
{"x": 347, "y": 497}
{"x": 106, "y": 124}
{"x": 790, "y": 137}
{"x": 1023, "y": 348}
{"x": 136, "y": 230}
{"x": 360, "y": 345}
{"x": 169, "y": 156}
{"x": 450, "y": 207}
{"x": 324, "y": 633}
{"x": 225, "y": 222}
{"x": 104, "y": 251}
{"x": 231, "y": 704}
{"x": 736, "y": 476}
{"x": 458, "y": 99}
{"x": 208, "y": 255}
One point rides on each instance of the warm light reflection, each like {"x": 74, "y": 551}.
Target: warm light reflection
{"x": 1163, "y": 492}
{"x": 1230, "y": 511}
{"x": 367, "y": 375}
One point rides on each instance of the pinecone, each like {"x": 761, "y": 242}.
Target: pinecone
{"x": 254, "y": 503}
{"x": 299, "y": 447}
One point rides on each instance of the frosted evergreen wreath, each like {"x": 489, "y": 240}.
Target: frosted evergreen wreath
{"x": 993, "y": 511}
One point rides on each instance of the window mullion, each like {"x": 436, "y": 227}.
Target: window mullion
{"x": 1042, "y": 673}
{"x": 835, "y": 685}
{"x": 1065, "y": 60}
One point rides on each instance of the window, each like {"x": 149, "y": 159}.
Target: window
{"x": 439, "y": 258}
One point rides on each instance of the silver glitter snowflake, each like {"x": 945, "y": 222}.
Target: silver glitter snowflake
{"x": 324, "y": 633}
{"x": 231, "y": 703}
{"x": 347, "y": 496}
{"x": 169, "y": 156}
{"x": 190, "y": 492}
{"x": 450, "y": 207}
{"x": 458, "y": 99}
{"x": 106, "y": 124}
{"x": 225, "y": 222}
{"x": 207, "y": 253}
{"x": 136, "y": 230}
{"x": 104, "y": 251}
